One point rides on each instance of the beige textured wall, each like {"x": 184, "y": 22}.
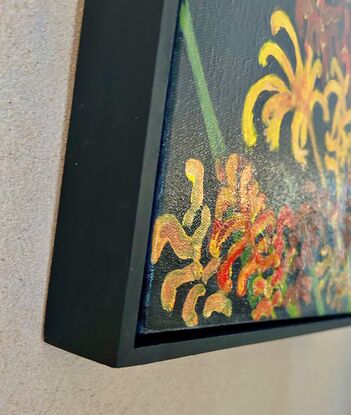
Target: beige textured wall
{"x": 310, "y": 374}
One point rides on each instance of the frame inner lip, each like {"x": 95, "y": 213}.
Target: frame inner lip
{"x": 230, "y": 330}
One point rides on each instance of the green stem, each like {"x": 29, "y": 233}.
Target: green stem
{"x": 274, "y": 315}
{"x": 217, "y": 145}
{"x": 349, "y": 294}
{"x": 318, "y": 295}
{"x": 293, "y": 310}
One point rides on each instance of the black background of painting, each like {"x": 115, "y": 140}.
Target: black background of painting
{"x": 230, "y": 34}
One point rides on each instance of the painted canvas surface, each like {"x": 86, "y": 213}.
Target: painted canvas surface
{"x": 252, "y": 210}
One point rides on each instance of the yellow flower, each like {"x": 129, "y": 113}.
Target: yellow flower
{"x": 338, "y": 140}
{"x": 298, "y": 94}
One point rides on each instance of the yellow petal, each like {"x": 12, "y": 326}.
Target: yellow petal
{"x": 174, "y": 280}
{"x": 201, "y": 231}
{"x": 276, "y": 104}
{"x": 343, "y": 149}
{"x": 246, "y": 271}
{"x": 210, "y": 269}
{"x": 336, "y": 123}
{"x": 270, "y": 83}
{"x": 272, "y": 132}
{"x": 218, "y": 303}
{"x": 189, "y": 314}
{"x": 280, "y": 20}
{"x": 346, "y": 119}
{"x": 272, "y": 49}
{"x": 331, "y": 164}
{"x": 334, "y": 87}
{"x": 273, "y": 112}
{"x": 331, "y": 143}
{"x": 167, "y": 229}
{"x": 319, "y": 98}
{"x": 194, "y": 171}
{"x": 227, "y": 196}
{"x": 308, "y": 63}
{"x": 298, "y": 152}
{"x": 303, "y": 133}
{"x": 316, "y": 72}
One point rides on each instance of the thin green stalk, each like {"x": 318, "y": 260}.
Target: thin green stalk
{"x": 217, "y": 145}
{"x": 349, "y": 295}
{"x": 317, "y": 295}
{"x": 348, "y": 308}
{"x": 293, "y": 310}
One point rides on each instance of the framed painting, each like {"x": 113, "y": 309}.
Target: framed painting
{"x": 205, "y": 201}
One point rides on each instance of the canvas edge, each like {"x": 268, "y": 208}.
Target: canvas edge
{"x": 135, "y": 282}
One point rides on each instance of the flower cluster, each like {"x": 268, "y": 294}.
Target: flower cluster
{"x": 277, "y": 261}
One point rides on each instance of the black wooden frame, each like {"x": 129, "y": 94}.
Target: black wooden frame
{"x": 107, "y": 194}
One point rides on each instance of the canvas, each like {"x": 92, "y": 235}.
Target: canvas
{"x": 252, "y": 215}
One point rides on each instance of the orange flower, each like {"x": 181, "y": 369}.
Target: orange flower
{"x": 186, "y": 246}
{"x": 271, "y": 298}
{"x": 241, "y": 212}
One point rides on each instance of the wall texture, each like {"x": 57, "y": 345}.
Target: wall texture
{"x": 310, "y": 374}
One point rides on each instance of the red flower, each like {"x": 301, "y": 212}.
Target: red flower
{"x": 320, "y": 24}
